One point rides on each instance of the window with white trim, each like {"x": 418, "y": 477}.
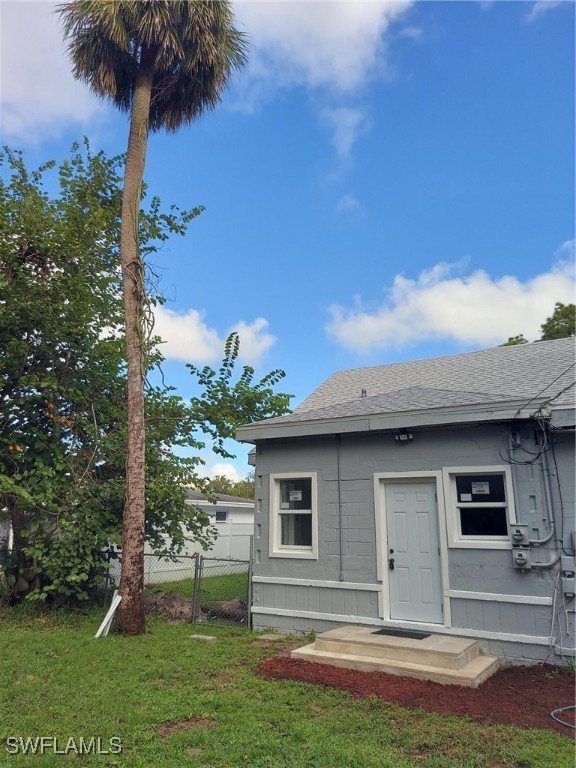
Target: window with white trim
{"x": 293, "y": 515}
{"x": 479, "y": 507}
{"x": 221, "y": 516}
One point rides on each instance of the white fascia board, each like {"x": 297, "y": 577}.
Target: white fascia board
{"x": 428, "y": 417}
{"x": 252, "y": 433}
{"x": 466, "y": 414}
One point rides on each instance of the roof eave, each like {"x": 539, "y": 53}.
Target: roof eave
{"x": 429, "y": 417}
{"x": 563, "y": 416}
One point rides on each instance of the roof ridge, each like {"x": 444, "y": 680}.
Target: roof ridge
{"x": 504, "y": 348}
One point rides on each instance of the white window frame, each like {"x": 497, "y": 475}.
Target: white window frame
{"x": 455, "y": 537}
{"x": 220, "y": 511}
{"x": 293, "y": 551}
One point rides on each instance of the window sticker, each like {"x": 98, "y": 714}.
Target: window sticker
{"x": 295, "y": 495}
{"x": 465, "y": 497}
{"x": 480, "y": 489}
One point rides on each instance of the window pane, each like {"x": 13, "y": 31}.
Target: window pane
{"x": 221, "y": 515}
{"x": 296, "y": 530}
{"x": 296, "y": 493}
{"x": 483, "y": 521}
{"x": 480, "y": 488}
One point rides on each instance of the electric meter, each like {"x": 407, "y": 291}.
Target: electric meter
{"x": 521, "y": 558}
{"x": 519, "y": 535}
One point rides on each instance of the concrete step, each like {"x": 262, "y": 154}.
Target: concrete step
{"x": 443, "y": 659}
{"x": 433, "y": 651}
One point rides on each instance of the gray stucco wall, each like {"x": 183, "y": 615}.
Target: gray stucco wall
{"x": 469, "y": 570}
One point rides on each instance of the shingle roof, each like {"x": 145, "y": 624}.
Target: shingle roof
{"x": 543, "y": 370}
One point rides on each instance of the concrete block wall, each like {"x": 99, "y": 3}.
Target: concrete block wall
{"x": 475, "y": 570}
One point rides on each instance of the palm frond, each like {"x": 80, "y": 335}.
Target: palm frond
{"x": 196, "y": 44}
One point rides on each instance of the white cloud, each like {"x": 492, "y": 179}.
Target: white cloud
{"x": 473, "y": 309}
{"x": 346, "y": 124}
{"x": 348, "y": 204}
{"x": 187, "y": 337}
{"x": 566, "y": 251}
{"x": 334, "y": 44}
{"x": 225, "y": 470}
{"x": 333, "y": 49}
{"x": 254, "y": 340}
{"x": 543, "y": 6}
{"x": 39, "y": 97}
{"x": 336, "y": 47}
{"x": 413, "y": 33}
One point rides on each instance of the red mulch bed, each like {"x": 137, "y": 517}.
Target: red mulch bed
{"x": 521, "y": 696}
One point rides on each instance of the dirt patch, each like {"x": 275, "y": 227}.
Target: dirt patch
{"x": 192, "y": 724}
{"x": 521, "y": 696}
{"x": 168, "y": 604}
{"x": 176, "y": 608}
{"x": 231, "y": 610}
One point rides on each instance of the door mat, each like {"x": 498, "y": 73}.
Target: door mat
{"x": 409, "y": 633}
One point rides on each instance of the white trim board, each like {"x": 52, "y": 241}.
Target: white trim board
{"x": 496, "y": 597}
{"x": 437, "y": 629}
{"x": 316, "y": 583}
{"x": 451, "y": 505}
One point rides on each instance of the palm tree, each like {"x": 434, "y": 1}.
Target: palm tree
{"x": 166, "y": 62}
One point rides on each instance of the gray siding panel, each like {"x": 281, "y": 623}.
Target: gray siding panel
{"x": 313, "y": 600}
{"x": 324, "y": 600}
{"x": 507, "y": 618}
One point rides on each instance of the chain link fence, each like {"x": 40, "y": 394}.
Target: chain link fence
{"x": 204, "y": 590}
{"x": 222, "y": 592}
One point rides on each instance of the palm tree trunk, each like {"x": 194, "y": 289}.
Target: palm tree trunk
{"x": 131, "y": 620}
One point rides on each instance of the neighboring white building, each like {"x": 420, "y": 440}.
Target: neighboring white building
{"x": 233, "y": 516}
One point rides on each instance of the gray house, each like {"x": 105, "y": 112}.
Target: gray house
{"x": 434, "y": 495}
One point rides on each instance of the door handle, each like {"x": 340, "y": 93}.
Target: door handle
{"x": 391, "y": 563}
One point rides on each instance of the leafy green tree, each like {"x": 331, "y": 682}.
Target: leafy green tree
{"x": 515, "y": 340}
{"x": 63, "y": 390}
{"x": 243, "y": 488}
{"x": 166, "y": 62}
{"x": 59, "y": 290}
{"x": 62, "y": 373}
{"x": 223, "y": 405}
{"x": 561, "y": 324}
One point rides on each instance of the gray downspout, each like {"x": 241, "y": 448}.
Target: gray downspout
{"x": 338, "y": 481}
{"x": 512, "y": 472}
{"x": 545, "y": 468}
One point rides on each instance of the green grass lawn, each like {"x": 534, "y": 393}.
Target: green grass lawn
{"x": 57, "y": 681}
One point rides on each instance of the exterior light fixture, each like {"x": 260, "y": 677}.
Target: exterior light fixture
{"x": 403, "y": 436}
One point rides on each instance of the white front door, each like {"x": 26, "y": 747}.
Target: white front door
{"x": 413, "y": 551}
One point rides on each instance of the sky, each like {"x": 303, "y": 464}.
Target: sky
{"x": 382, "y": 182}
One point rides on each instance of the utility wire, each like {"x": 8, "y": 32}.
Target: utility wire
{"x": 551, "y": 400}
{"x": 544, "y": 389}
